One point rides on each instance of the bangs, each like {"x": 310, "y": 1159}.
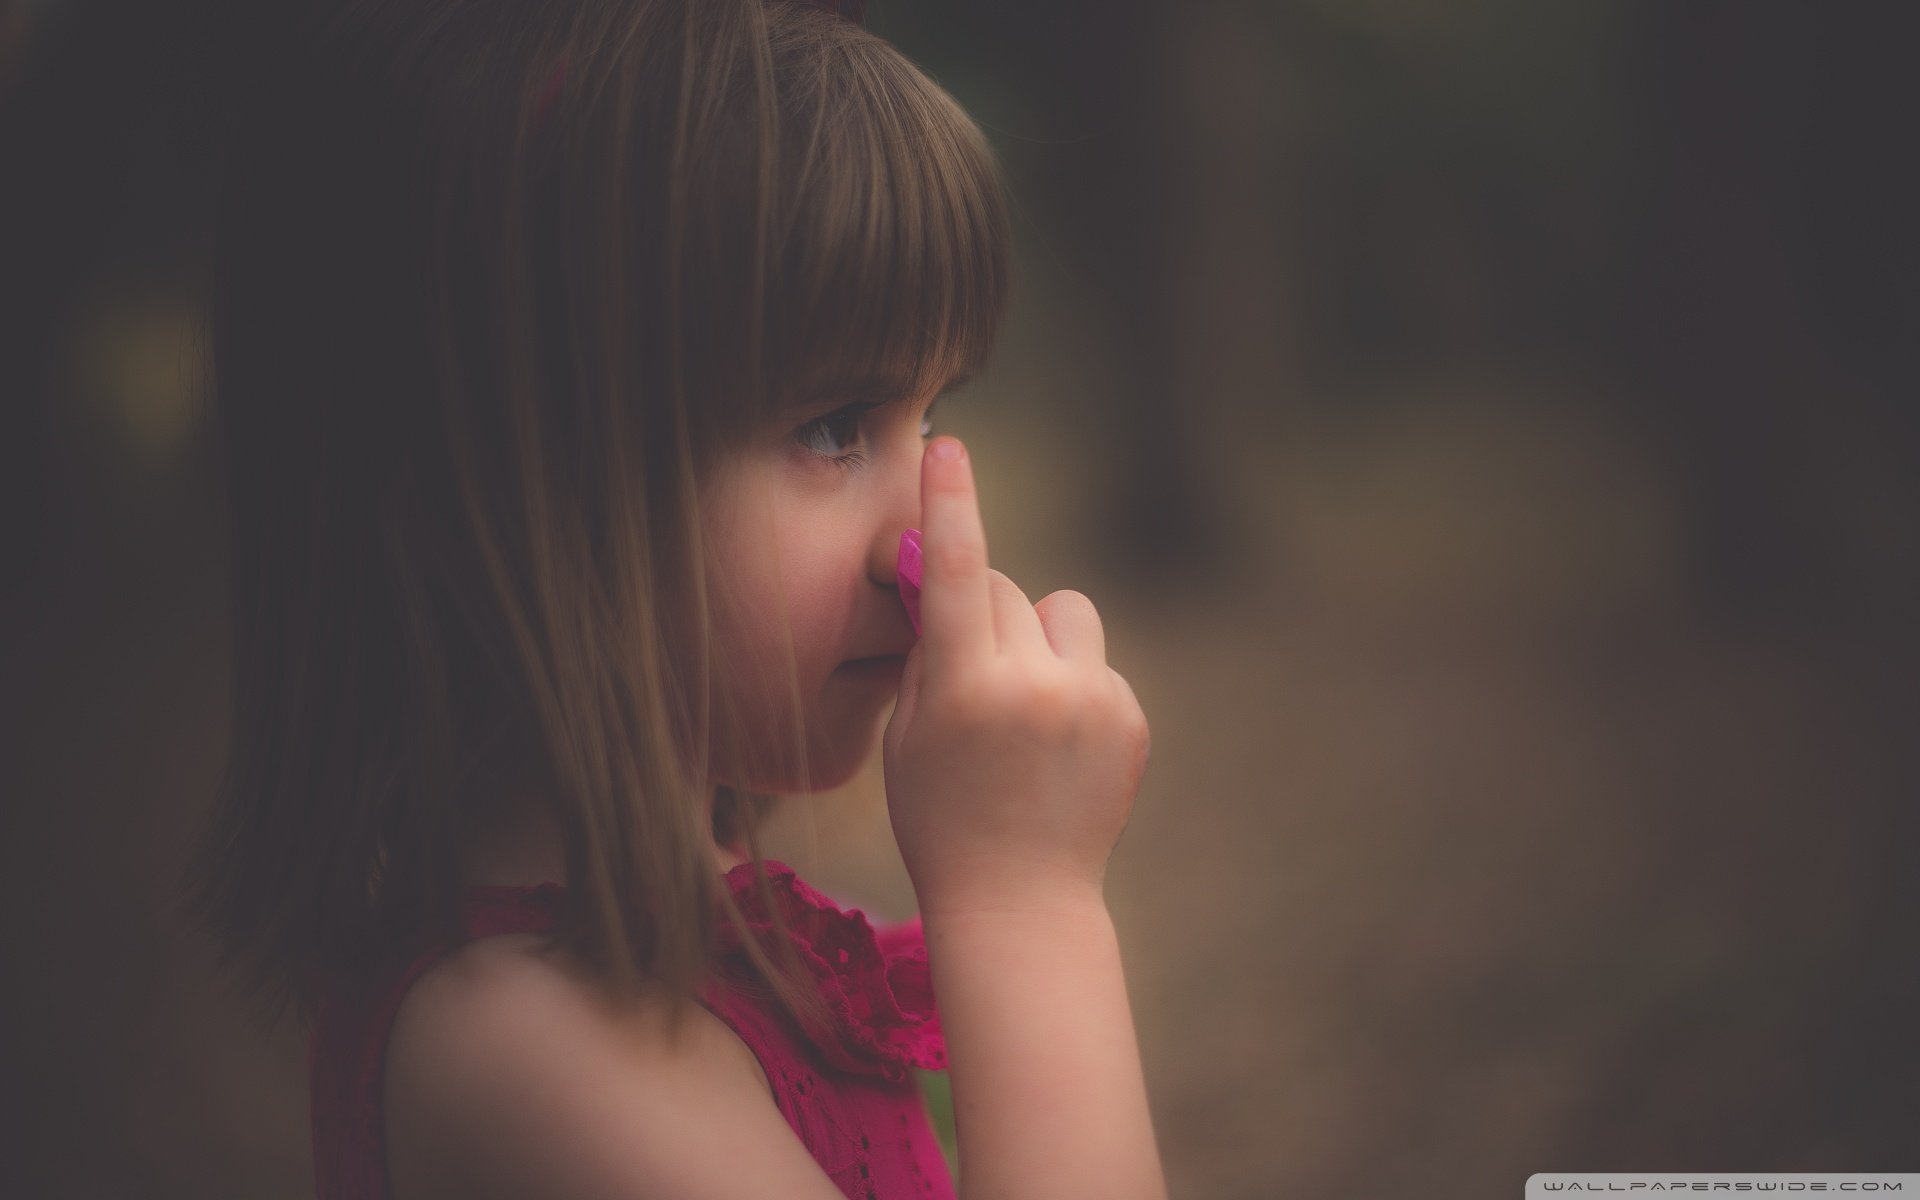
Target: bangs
{"x": 891, "y": 252}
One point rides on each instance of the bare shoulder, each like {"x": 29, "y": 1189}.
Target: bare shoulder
{"x": 512, "y": 1074}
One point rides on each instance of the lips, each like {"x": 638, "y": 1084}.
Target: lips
{"x": 876, "y": 660}
{"x": 885, "y": 667}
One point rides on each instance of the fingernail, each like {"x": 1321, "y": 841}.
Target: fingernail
{"x": 907, "y": 575}
{"x": 946, "y": 450}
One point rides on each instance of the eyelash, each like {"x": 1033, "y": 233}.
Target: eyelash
{"x": 852, "y": 459}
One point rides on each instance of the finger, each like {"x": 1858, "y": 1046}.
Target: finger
{"x": 956, "y": 608}
{"x": 1073, "y": 627}
{"x": 908, "y": 698}
{"x": 1016, "y": 626}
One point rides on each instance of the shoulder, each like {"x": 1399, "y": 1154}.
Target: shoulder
{"x": 512, "y": 997}
{"x": 512, "y": 1073}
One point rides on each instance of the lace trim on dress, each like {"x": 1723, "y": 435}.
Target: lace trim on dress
{"x": 876, "y": 982}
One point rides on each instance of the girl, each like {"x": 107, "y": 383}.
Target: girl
{"x": 573, "y": 363}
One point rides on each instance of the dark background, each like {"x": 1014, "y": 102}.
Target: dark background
{"x": 1489, "y": 431}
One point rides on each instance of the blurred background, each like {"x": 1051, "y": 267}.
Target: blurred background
{"x": 1489, "y": 432}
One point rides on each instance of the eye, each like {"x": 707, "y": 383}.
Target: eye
{"x": 843, "y": 427}
{"x": 845, "y": 421}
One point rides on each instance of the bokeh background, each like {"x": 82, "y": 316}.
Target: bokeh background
{"x": 1490, "y": 433}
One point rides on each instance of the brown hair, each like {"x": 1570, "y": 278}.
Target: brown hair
{"x": 499, "y": 284}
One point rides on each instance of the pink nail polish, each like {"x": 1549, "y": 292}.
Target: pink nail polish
{"x": 907, "y": 575}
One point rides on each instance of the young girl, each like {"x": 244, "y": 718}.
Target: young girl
{"x": 573, "y": 363}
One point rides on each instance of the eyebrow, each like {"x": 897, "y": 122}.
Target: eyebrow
{"x": 874, "y": 393}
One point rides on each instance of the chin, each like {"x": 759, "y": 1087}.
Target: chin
{"x": 832, "y": 765}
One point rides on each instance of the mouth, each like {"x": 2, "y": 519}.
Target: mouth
{"x": 884, "y": 666}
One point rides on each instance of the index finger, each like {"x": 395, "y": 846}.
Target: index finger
{"x": 956, "y": 607}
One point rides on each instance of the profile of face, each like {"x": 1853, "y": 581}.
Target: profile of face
{"x": 802, "y": 527}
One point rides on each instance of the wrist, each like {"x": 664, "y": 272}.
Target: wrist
{"x": 1030, "y": 899}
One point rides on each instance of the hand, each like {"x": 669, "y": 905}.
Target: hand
{"x": 1014, "y": 751}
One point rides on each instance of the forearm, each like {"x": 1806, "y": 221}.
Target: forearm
{"x": 1048, "y": 1094}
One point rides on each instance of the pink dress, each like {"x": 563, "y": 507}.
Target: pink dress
{"x": 849, "y": 1093}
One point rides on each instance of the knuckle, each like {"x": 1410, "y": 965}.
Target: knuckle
{"x": 1067, "y": 600}
{"x": 1132, "y": 719}
{"x": 1052, "y": 697}
{"x": 1135, "y": 742}
{"x": 1005, "y": 586}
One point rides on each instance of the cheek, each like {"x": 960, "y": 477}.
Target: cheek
{"x": 750, "y": 607}
{"x": 754, "y": 656}
{"x": 773, "y": 591}
{"x": 837, "y": 719}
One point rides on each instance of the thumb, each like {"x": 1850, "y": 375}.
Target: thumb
{"x": 909, "y": 688}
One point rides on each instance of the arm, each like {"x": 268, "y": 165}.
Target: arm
{"x": 1048, "y": 1094}
{"x": 1012, "y": 760}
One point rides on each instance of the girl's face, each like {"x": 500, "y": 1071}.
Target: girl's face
{"x": 803, "y": 530}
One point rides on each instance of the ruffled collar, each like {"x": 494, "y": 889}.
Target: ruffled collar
{"x": 875, "y": 982}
